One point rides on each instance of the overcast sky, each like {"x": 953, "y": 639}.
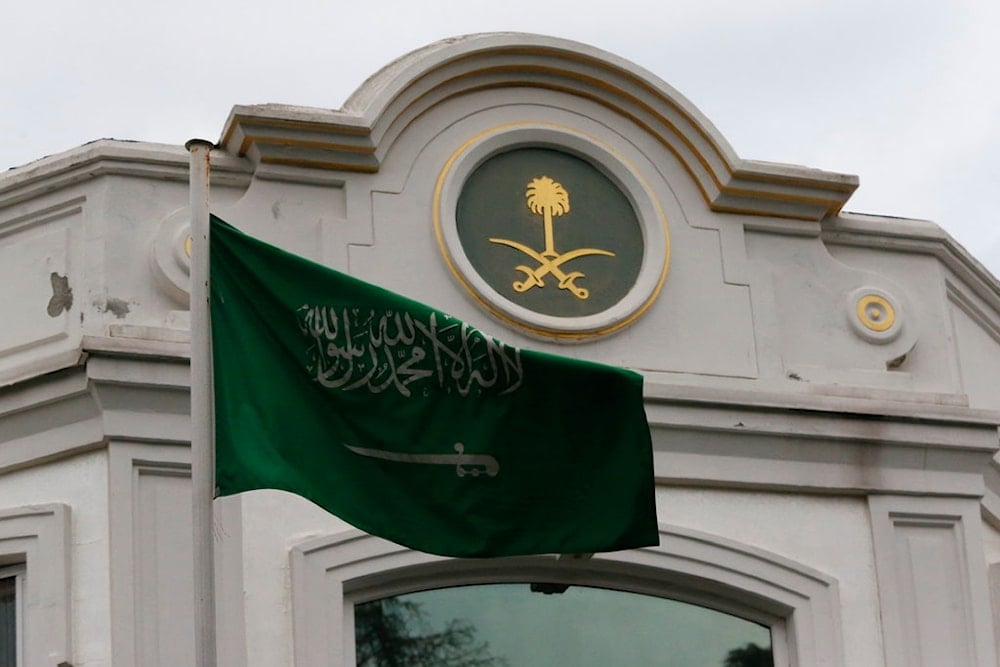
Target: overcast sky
{"x": 903, "y": 93}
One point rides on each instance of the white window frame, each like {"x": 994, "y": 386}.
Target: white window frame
{"x": 330, "y": 574}
{"x": 37, "y": 538}
{"x": 17, "y": 573}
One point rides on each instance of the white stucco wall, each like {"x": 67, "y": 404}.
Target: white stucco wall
{"x": 832, "y": 535}
{"x": 272, "y": 522}
{"x": 81, "y": 483}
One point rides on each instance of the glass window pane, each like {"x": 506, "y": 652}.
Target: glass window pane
{"x": 8, "y": 622}
{"x": 509, "y": 624}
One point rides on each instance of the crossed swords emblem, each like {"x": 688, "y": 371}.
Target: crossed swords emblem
{"x": 549, "y": 199}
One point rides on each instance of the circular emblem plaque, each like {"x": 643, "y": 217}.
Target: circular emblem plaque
{"x": 556, "y": 235}
{"x": 874, "y": 314}
{"x": 547, "y": 230}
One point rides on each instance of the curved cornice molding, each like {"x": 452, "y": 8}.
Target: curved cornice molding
{"x": 920, "y": 236}
{"x": 357, "y": 137}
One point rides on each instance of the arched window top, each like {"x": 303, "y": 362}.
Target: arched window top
{"x": 489, "y": 625}
{"x": 332, "y": 575}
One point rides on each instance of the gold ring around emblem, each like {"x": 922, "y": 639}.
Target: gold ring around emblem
{"x": 876, "y": 313}
{"x": 440, "y": 217}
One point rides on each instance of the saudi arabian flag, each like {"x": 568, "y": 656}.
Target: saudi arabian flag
{"x": 412, "y": 425}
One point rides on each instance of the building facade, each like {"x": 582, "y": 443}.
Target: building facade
{"x": 821, "y": 387}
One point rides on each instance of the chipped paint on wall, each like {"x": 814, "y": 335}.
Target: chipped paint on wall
{"x": 62, "y": 295}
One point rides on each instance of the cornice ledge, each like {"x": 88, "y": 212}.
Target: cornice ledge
{"x": 278, "y": 134}
{"x": 917, "y": 236}
{"x": 43, "y": 390}
{"x": 784, "y": 191}
{"x": 53, "y": 416}
{"x": 112, "y": 157}
{"x": 153, "y": 346}
{"x": 866, "y": 407}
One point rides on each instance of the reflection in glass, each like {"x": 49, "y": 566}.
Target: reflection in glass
{"x": 8, "y": 622}
{"x": 509, "y": 625}
{"x": 396, "y": 632}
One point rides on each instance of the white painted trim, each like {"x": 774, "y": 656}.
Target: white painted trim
{"x": 38, "y": 537}
{"x": 919, "y": 543}
{"x": 108, "y": 157}
{"x": 331, "y": 573}
{"x": 126, "y": 462}
{"x": 917, "y": 236}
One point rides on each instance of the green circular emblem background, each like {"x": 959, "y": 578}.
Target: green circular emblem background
{"x": 494, "y": 205}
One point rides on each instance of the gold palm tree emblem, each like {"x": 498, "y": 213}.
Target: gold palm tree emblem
{"x": 549, "y": 199}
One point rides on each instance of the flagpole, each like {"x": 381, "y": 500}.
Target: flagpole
{"x": 202, "y": 431}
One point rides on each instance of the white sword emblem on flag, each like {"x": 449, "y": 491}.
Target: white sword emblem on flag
{"x": 465, "y": 464}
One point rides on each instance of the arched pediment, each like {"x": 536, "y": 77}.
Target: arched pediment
{"x": 357, "y": 137}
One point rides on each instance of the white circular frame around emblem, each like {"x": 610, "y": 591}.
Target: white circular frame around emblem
{"x": 874, "y": 314}
{"x": 652, "y": 221}
{"x": 170, "y": 255}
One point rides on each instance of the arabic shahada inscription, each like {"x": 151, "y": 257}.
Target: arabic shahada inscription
{"x": 375, "y": 351}
{"x": 550, "y": 232}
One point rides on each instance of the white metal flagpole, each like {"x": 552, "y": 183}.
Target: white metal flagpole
{"x": 202, "y": 425}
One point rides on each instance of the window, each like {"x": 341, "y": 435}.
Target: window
{"x": 11, "y": 615}
{"x": 334, "y": 576}
{"x": 549, "y": 624}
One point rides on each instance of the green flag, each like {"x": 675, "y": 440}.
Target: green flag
{"x": 412, "y": 425}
